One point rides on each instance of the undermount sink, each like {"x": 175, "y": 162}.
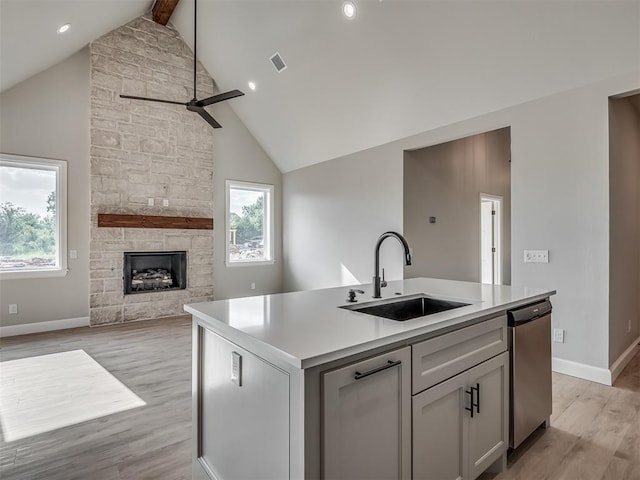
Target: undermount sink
{"x": 405, "y": 308}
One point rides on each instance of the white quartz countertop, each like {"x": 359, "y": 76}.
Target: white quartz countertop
{"x": 307, "y": 328}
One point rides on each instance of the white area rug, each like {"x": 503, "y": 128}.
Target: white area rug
{"x": 40, "y": 394}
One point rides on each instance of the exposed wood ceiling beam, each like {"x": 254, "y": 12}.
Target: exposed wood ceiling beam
{"x": 162, "y": 10}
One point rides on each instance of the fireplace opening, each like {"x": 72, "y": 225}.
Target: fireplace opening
{"x": 146, "y": 272}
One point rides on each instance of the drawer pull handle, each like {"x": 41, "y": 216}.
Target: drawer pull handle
{"x": 471, "y": 402}
{"x": 389, "y": 364}
{"x": 477, "y": 404}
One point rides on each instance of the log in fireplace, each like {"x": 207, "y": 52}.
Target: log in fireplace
{"x": 154, "y": 271}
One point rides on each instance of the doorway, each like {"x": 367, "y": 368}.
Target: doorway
{"x": 490, "y": 241}
{"x": 442, "y": 187}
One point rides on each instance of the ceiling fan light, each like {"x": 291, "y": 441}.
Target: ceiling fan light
{"x": 349, "y": 9}
{"x": 64, "y": 28}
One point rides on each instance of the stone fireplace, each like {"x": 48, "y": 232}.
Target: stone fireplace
{"x": 148, "y": 159}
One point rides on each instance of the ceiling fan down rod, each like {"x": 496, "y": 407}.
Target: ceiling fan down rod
{"x": 195, "y": 47}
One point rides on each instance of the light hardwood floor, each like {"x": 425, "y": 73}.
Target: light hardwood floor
{"x": 594, "y": 433}
{"x": 153, "y": 359}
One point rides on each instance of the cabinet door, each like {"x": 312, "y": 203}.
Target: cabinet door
{"x": 439, "y": 431}
{"x": 489, "y": 429}
{"x": 244, "y": 413}
{"x": 366, "y": 418}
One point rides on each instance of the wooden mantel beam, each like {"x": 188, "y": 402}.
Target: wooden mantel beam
{"x": 162, "y": 10}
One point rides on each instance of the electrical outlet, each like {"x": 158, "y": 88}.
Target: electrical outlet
{"x": 73, "y": 254}
{"x": 529, "y": 256}
{"x": 558, "y": 335}
{"x": 542, "y": 256}
{"x": 13, "y": 309}
{"x": 150, "y": 202}
{"x": 165, "y": 202}
{"x": 253, "y": 285}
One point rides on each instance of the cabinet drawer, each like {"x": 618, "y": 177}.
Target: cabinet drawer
{"x": 439, "y": 358}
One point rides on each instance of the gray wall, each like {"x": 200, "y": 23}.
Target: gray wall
{"x": 445, "y": 181}
{"x": 560, "y": 201}
{"x": 237, "y": 156}
{"x": 624, "y": 207}
{"x": 48, "y": 116}
{"x": 333, "y": 214}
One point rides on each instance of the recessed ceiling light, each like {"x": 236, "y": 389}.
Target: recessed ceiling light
{"x": 349, "y": 9}
{"x": 252, "y": 85}
{"x": 64, "y": 28}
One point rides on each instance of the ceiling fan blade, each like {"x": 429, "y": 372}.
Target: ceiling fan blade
{"x": 221, "y": 97}
{"x": 204, "y": 114}
{"x": 153, "y": 100}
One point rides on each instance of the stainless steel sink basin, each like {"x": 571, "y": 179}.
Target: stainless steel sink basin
{"x": 405, "y": 308}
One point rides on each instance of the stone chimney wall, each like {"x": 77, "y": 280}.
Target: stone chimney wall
{"x": 142, "y": 150}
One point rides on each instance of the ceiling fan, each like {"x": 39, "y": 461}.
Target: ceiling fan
{"x": 195, "y": 105}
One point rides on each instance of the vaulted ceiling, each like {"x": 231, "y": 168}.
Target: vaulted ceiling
{"x": 398, "y": 68}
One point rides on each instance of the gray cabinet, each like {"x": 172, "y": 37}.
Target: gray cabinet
{"x": 448, "y": 442}
{"x": 366, "y": 419}
{"x": 438, "y": 429}
{"x": 240, "y": 393}
{"x": 489, "y": 428}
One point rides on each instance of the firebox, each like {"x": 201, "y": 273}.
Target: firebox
{"x": 154, "y": 271}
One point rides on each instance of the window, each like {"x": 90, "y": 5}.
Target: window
{"x": 249, "y": 223}
{"x": 33, "y": 194}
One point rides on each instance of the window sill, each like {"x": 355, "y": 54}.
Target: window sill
{"x": 248, "y": 264}
{"x": 31, "y": 274}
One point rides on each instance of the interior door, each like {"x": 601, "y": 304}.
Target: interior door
{"x": 490, "y": 239}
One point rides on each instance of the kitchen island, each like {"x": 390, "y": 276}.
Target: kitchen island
{"x": 292, "y": 386}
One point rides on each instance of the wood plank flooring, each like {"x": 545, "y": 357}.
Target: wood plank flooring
{"x": 153, "y": 359}
{"x": 594, "y": 433}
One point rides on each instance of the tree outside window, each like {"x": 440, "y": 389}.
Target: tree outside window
{"x": 31, "y": 220}
{"x": 249, "y": 214}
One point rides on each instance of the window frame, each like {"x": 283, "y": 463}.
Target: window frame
{"x": 267, "y": 223}
{"x": 60, "y": 167}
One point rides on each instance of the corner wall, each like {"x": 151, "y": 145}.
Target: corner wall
{"x": 238, "y": 156}
{"x": 445, "y": 181}
{"x": 560, "y": 202}
{"x": 624, "y": 228}
{"x": 48, "y": 116}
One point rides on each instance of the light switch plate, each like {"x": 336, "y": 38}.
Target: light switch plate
{"x": 536, "y": 256}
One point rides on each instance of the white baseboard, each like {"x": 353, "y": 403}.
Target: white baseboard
{"x": 624, "y": 359}
{"x": 581, "y": 370}
{"x": 37, "y": 327}
{"x": 596, "y": 374}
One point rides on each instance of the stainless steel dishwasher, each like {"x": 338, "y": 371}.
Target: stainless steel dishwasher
{"x": 530, "y": 372}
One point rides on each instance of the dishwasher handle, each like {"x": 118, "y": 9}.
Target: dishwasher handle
{"x": 530, "y": 312}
